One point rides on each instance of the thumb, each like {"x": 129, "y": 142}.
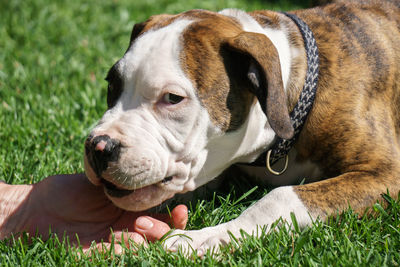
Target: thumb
{"x": 151, "y": 228}
{"x": 154, "y": 229}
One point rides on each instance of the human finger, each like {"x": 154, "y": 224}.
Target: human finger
{"x": 179, "y": 216}
{"x": 151, "y": 228}
{"x": 177, "y": 219}
{"x": 128, "y": 238}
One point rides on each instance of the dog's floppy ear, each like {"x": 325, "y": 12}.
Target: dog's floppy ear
{"x": 265, "y": 76}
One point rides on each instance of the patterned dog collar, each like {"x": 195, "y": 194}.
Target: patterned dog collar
{"x": 303, "y": 106}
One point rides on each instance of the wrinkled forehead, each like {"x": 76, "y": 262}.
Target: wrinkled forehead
{"x": 152, "y": 60}
{"x": 154, "y": 57}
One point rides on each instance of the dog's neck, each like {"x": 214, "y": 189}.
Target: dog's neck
{"x": 295, "y": 61}
{"x": 307, "y": 96}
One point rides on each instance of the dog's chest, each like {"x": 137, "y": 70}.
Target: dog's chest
{"x": 296, "y": 172}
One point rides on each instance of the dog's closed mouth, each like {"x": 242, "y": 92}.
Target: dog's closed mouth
{"x": 167, "y": 179}
{"x": 115, "y": 191}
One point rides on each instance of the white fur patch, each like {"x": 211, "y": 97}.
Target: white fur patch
{"x": 253, "y": 135}
{"x": 152, "y": 63}
{"x": 279, "y": 203}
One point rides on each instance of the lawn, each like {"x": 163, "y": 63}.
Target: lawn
{"x": 54, "y": 56}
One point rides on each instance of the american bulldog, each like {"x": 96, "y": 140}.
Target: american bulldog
{"x": 311, "y": 94}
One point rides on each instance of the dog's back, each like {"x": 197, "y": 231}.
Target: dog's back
{"x": 325, "y": 2}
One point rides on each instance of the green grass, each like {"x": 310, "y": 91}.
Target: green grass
{"x": 53, "y": 58}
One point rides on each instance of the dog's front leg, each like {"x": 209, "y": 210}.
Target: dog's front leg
{"x": 279, "y": 203}
{"x": 358, "y": 190}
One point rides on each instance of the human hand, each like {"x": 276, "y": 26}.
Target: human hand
{"x": 70, "y": 204}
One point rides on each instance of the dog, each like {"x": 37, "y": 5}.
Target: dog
{"x": 315, "y": 92}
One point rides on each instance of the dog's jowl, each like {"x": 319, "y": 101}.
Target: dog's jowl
{"x": 317, "y": 90}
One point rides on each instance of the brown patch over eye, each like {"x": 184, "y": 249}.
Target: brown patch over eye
{"x": 219, "y": 86}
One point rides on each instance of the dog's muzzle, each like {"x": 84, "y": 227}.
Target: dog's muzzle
{"x": 100, "y": 151}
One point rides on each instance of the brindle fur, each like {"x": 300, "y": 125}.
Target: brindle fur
{"x": 353, "y": 130}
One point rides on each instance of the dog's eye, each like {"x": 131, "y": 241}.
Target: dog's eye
{"x": 172, "y": 99}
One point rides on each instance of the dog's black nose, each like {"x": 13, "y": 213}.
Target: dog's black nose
{"x": 100, "y": 150}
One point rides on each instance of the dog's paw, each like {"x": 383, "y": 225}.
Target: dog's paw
{"x": 197, "y": 241}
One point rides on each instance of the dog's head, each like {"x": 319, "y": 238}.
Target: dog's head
{"x": 179, "y": 107}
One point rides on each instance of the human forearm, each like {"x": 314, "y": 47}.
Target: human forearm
{"x": 14, "y": 211}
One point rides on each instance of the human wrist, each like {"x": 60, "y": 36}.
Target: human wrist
{"x": 14, "y": 208}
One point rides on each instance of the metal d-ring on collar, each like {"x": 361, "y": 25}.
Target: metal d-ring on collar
{"x": 269, "y": 168}
{"x": 303, "y": 106}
